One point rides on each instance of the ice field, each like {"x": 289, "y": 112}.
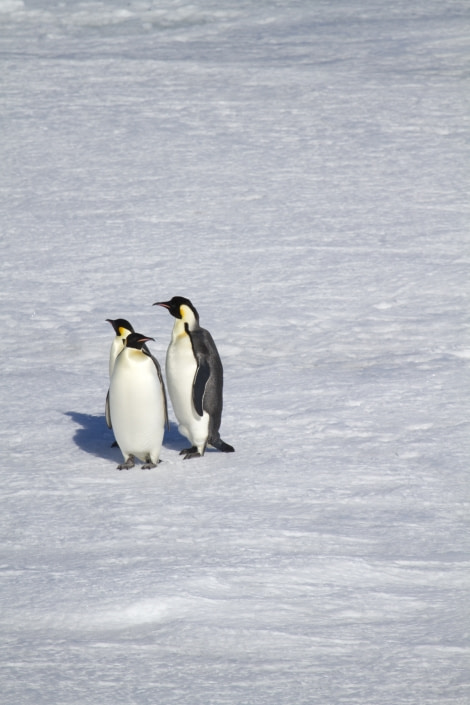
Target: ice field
{"x": 300, "y": 171}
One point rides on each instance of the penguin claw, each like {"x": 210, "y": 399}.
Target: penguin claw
{"x": 149, "y": 465}
{"x": 128, "y": 464}
{"x": 190, "y": 453}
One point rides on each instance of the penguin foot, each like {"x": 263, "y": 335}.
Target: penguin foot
{"x": 114, "y": 445}
{"x": 190, "y": 453}
{"x": 128, "y": 464}
{"x": 149, "y": 465}
{"x": 222, "y": 446}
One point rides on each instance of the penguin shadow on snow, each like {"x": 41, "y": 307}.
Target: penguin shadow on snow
{"x": 173, "y": 439}
{"x": 94, "y": 437}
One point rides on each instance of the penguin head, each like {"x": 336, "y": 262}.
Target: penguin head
{"x": 137, "y": 340}
{"x": 182, "y": 308}
{"x": 122, "y": 328}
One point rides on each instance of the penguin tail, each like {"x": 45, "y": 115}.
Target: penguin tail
{"x": 222, "y": 446}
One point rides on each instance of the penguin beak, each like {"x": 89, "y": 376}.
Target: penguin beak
{"x": 165, "y": 304}
{"x": 144, "y": 339}
{"x": 110, "y": 320}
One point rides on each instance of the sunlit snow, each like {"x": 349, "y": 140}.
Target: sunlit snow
{"x": 300, "y": 171}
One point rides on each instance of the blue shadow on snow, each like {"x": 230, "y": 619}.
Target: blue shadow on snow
{"x": 94, "y": 437}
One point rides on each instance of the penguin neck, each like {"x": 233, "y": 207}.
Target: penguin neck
{"x": 184, "y": 325}
{"x": 132, "y": 356}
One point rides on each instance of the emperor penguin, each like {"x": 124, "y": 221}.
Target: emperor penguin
{"x": 195, "y": 379}
{"x": 122, "y": 328}
{"x": 137, "y": 403}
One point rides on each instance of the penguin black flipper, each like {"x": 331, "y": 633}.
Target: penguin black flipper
{"x": 160, "y": 377}
{"x": 199, "y": 385}
{"x": 205, "y": 353}
{"x": 212, "y": 400}
{"x": 165, "y": 402}
{"x": 107, "y": 412}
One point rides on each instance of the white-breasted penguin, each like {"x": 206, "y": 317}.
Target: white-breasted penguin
{"x": 194, "y": 376}
{"x": 122, "y": 328}
{"x": 137, "y": 403}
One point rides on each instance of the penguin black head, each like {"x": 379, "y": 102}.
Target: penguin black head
{"x": 137, "y": 340}
{"x": 176, "y": 306}
{"x": 120, "y": 324}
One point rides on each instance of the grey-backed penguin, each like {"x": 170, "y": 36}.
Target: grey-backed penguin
{"x": 137, "y": 403}
{"x": 195, "y": 379}
{"x": 122, "y": 328}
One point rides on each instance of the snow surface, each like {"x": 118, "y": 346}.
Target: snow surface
{"x": 300, "y": 170}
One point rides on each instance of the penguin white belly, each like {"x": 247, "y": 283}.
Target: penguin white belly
{"x": 136, "y": 406}
{"x": 116, "y": 347}
{"x": 181, "y": 368}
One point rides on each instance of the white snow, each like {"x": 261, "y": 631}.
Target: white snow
{"x": 299, "y": 171}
